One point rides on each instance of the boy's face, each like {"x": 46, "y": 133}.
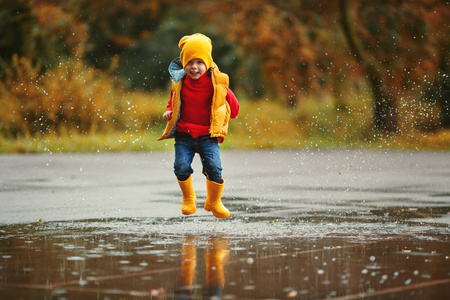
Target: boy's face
{"x": 195, "y": 68}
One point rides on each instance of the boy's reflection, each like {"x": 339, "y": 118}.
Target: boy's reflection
{"x": 216, "y": 255}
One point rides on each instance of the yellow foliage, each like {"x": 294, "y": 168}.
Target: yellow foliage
{"x": 72, "y": 96}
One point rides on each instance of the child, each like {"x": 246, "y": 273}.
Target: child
{"x": 198, "y": 112}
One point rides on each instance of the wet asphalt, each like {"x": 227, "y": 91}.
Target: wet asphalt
{"x": 310, "y": 224}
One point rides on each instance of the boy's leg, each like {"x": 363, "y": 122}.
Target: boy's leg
{"x": 184, "y": 155}
{"x": 210, "y": 155}
{"x": 212, "y": 168}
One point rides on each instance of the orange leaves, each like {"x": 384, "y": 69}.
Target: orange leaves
{"x": 59, "y": 28}
{"x": 277, "y": 37}
{"x": 123, "y": 40}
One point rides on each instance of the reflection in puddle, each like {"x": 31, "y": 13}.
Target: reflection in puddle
{"x": 178, "y": 259}
{"x": 215, "y": 257}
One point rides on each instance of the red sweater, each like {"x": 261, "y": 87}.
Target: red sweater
{"x": 196, "y": 98}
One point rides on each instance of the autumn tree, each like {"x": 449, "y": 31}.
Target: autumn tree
{"x": 397, "y": 46}
{"x": 400, "y": 46}
{"x": 385, "y": 104}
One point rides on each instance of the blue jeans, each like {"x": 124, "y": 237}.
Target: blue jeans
{"x": 208, "y": 149}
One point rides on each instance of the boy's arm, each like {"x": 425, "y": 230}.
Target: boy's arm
{"x": 167, "y": 116}
{"x": 234, "y": 104}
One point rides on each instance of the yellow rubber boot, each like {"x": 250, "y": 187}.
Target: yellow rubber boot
{"x": 213, "y": 201}
{"x": 189, "y": 199}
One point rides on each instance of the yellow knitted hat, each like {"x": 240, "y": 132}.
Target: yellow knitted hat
{"x": 196, "y": 46}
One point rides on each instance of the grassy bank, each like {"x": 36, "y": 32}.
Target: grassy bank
{"x": 261, "y": 124}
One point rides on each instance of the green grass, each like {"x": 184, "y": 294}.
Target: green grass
{"x": 115, "y": 141}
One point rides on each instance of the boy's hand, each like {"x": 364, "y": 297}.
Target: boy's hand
{"x": 167, "y": 116}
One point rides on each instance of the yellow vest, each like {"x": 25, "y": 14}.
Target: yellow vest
{"x": 220, "y": 109}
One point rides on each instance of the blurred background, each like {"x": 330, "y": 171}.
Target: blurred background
{"x": 84, "y": 75}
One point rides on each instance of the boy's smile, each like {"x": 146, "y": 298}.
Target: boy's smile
{"x": 195, "y": 68}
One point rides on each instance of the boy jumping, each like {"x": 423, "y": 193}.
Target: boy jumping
{"x": 197, "y": 116}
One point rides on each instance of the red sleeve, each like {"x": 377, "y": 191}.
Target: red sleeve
{"x": 234, "y": 104}
{"x": 169, "y": 105}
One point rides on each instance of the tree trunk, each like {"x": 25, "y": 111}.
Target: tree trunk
{"x": 385, "y": 106}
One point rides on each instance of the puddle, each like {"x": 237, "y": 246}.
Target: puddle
{"x": 305, "y": 225}
{"x": 200, "y": 258}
